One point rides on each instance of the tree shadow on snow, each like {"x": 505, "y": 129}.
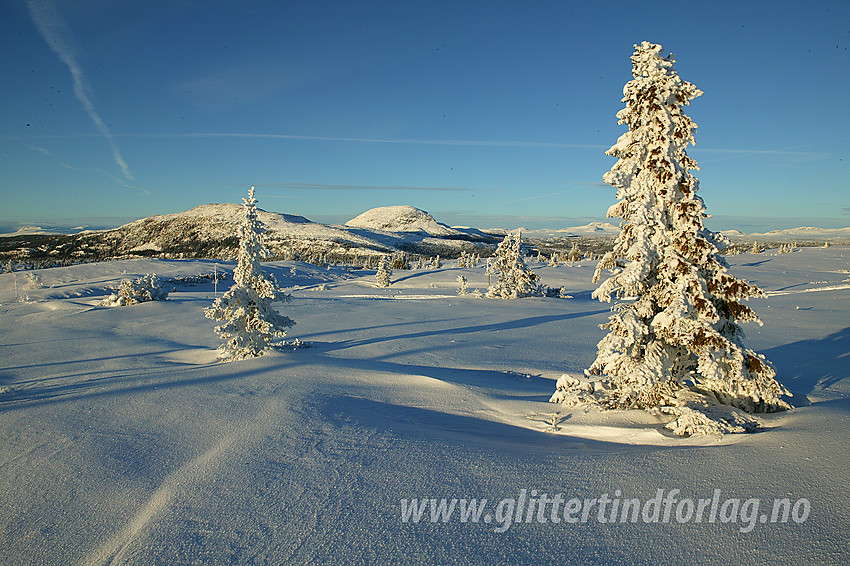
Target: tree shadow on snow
{"x": 492, "y": 327}
{"x": 312, "y": 335}
{"x": 107, "y": 380}
{"x": 805, "y": 365}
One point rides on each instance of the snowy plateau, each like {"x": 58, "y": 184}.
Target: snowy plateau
{"x": 126, "y": 442}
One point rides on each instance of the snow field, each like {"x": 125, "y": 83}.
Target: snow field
{"x": 126, "y": 443}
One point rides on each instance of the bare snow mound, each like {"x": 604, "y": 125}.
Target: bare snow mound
{"x": 400, "y": 219}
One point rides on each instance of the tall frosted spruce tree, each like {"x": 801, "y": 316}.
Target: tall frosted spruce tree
{"x": 249, "y": 323}
{"x": 675, "y": 325}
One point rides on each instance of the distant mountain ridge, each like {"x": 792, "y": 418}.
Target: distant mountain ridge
{"x": 401, "y": 228}
{"x": 806, "y": 232}
{"x": 210, "y": 230}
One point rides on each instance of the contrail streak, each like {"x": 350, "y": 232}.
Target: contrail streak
{"x": 408, "y": 141}
{"x": 54, "y": 31}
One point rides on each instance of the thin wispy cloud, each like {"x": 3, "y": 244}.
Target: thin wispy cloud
{"x": 729, "y": 153}
{"x": 55, "y": 33}
{"x": 410, "y": 141}
{"x": 536, "y": 197}
{"x": 329, "y": 187}
{"x": 111, "y": 176}
{"x": 791, "y": 151}
{"x": 405, "y": 141}
{"x": 41, "y": 150}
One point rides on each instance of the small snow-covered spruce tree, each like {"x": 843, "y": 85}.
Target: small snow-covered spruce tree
{"x": 464, "y": 285}
{"x": 249, "y": 323}
{"x": 674, "y": 327}
{"x": 575, "y": 254}
{"x": 385, "y": 270}
{"x": 514, "y": 278}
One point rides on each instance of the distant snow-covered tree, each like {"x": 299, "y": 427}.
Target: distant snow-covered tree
{"x": 463, "y": 282}
{"x": 675, "y": 326}
{"x": 385, "y": 270}
{"x": 756, "y": 249}
{"x": 400, "y": 261}
{"x": 575, "y": 254}
{"x": 249, "y": 322}
{"x": 513, "y": 277}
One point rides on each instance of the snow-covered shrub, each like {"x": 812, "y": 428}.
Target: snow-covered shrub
{"x": 513, "y": 278}
{"x": 249, "y": 322}
{"x": 675, "y": 326}
{"x": 551, "y": 291}
{"x": 385, "y": 271}
{"x": 33, "y": 281}
{"x": 130, "y": 292}
{"x": 704, "y": 419}
{"x": 571, "y": 390}
{"x": 756, "y": 249}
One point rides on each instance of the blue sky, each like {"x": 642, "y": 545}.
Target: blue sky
{"x": 482, "y": 113}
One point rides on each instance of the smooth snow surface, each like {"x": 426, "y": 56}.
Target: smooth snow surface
{"x": 124, "y": 442}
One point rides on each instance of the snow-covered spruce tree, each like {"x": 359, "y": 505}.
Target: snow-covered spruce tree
{"x": 514, "y": 278}
{"x": 464, "y": 285}
{"x": 249, "y": 323}
{"x": 675, "y": 324}
{"x": 385, "y": 270}
{"x": 575, "y": 254}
